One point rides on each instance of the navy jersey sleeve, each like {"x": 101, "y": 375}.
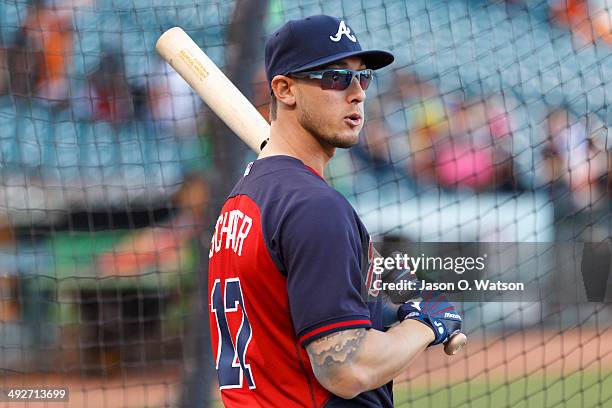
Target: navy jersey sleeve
{"x": 321, "y": 245}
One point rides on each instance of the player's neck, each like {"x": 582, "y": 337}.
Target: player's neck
{"x": 290, "y": 140}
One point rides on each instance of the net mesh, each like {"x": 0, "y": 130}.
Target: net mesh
{"x": 491, "y": 126}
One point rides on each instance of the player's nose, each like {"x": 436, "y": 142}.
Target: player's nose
{"x": 355, "y": 94}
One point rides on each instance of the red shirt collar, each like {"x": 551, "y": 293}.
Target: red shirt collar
{"x": 314, "y": 171}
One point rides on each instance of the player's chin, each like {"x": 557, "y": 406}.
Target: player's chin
{"x": 348, "y": 136}
{"x": 345, "y": 140}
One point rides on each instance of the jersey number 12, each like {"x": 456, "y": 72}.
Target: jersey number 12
{"x": 231, "y": 351}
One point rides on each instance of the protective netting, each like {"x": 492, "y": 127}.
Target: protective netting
{"x": 491, "y": 126}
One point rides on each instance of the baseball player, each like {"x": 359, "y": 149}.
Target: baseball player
{"x": 289, "y": 257}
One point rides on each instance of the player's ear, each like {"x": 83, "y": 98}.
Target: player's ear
{"x": 281, "y": 86}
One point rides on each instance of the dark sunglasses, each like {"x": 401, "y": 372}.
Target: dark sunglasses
{"x": 338, "y": 78}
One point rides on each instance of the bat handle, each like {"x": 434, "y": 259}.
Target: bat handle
{"x": 455, "y": 343}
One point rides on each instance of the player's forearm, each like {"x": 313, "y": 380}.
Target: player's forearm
{"x": 350, "y": 362}
{"x": 385, "y": 355}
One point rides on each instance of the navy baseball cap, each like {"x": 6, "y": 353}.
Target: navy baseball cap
{"x": 301, "y": 45}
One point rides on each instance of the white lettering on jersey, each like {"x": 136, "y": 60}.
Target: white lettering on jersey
{"x": 242, "y": 234}
{"x": 233, "y": 226}
{"x": 220, "y": 221}
{"x": 227, "y": 227}
{"x": 343, "y": 30}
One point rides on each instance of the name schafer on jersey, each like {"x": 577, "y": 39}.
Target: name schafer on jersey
{"x": 235, "y": 226}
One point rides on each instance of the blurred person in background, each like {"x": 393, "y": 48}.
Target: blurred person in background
{"x": 476, "y": 154}
{"x": 600, "y": 15}
{"x": 588, "y": 20}
{"x": 48, "y": 33}
{"x": 574, "y": 163}
{"x": 401, "y": 125}
{"x": 572, "y": 14}
{"x": 378, "y": 149}
{"x": 110, "y": 92}
{"x": 426, "y": 114}
{"x": 450, "y": 143}
{"x": 19, "y": 67}
{"x": 173, "y": 104}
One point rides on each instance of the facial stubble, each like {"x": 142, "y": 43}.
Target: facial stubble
{"x": 316, "y": 127}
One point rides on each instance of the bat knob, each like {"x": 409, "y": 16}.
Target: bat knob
{"x": 455, "y": 344}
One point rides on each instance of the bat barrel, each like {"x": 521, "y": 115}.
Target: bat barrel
{"x": 217, "y": 91}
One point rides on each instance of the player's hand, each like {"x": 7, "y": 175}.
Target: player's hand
{"x": 434, "y": 310}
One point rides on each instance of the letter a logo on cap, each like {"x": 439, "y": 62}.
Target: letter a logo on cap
{"x": 343, "y": 30}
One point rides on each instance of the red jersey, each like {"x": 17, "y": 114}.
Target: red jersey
{"x": 286, "y": 265}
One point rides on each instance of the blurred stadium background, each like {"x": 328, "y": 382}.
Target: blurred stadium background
{"x": 492, "y": 126}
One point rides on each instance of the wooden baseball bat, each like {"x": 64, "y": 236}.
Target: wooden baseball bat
{"x": 219, "y": 93}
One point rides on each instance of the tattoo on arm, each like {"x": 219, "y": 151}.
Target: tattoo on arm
{"x": 329, "y": 353}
